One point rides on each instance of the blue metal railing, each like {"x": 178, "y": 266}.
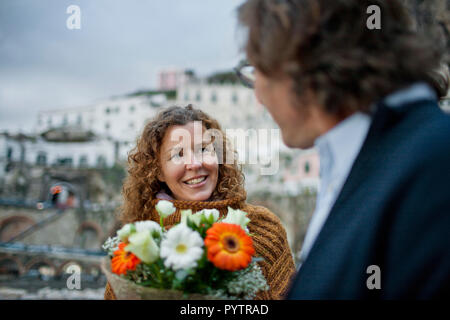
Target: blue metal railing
{"x": 33, "y": 248}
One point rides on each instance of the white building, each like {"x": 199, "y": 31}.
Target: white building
{"x": 37, "y": 150}
{"x": 232, "y": 105}
{"x": 118, "y": 120}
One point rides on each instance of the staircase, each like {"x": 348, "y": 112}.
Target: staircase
{"x": 37, "y": 226}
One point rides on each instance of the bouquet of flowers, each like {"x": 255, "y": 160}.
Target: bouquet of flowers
{"x": 202, "y": 257}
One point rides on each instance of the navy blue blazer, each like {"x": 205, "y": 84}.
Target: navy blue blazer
{"x": 393, "y": 212}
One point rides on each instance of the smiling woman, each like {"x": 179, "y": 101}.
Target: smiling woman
{"x": 172, "y": 161}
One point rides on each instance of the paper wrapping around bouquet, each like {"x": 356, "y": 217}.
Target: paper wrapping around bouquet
{"x": 127, "y": 290}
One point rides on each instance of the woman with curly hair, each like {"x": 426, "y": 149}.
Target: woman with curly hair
{"x": 180, "y": 157}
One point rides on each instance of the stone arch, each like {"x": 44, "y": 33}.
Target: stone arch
{"x": 14, "y": 225}
{"x": 6, "y": 269}
{"x": 91, "y": 225}
{"x": 89, "y": 235}
{"x": 41, "y": 262}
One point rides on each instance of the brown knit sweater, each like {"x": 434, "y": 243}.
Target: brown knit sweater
{"x": 269, "y": 240}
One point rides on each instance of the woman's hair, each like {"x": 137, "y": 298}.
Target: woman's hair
{"x": 142, "y": 184}
{"x": 326, "y": 48}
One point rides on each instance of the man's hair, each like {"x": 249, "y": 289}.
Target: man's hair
{"x": 326, "y": 48}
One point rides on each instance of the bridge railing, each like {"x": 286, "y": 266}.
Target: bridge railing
{"x": 18, "y": 247}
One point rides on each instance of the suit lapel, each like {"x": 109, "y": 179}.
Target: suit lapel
{"x": 382, "y": 118}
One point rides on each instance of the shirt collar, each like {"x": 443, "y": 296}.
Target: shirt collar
{"x": 339, "y": 146}
{"x": 417, "y": 91}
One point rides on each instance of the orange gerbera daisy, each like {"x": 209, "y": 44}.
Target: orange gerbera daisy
{"x": 229, "y": 247}
{"x": 123, "y": 260}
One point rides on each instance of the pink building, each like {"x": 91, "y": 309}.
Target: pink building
{"x": 171, "y": 79}
{"x": 304, "y": 170}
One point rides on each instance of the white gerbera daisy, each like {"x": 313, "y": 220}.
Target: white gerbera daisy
{"x": 181, "y": 248}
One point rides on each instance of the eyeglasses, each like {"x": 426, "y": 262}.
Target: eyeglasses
{"x": 246, "y": 73}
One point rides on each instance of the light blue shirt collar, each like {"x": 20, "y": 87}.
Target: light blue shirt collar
{"x": 417, "y": 91}
{"x": 339, "y": 146}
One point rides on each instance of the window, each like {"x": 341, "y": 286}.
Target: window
{"x": 41, "y": 159}
{"x": 49, "y": 121}
{"x": 101, "y": 162}
{"x": 64, "y": 162}
{"x": 307, "y": 167}
{"x": 79, "y": 119}
{"x": 214, "y": 97}
{"x": 83, "y": 162}
{"x": 131, "y": 125}
{"x": 107, "y": 110}
{"x": 198, "y": 96}
{"x": 186, "y": 96}
{"x": 234, "y": 98}
{"x": 22, "y": 153}
{"x": 9, "y": 154}
{"x": 132, "y": 108}
{"x": 65, "y": 120}
{"x": 107, "y": 125}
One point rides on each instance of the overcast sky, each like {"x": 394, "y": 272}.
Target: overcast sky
{"x": 119, "y": 49}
